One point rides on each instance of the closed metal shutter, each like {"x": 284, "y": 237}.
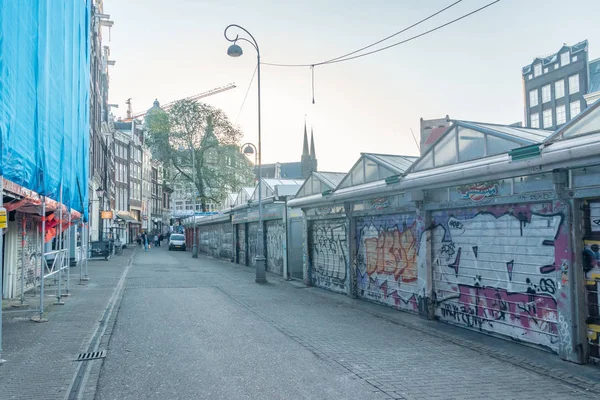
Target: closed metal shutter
{"x": 386, "y": 260}
{"x": 294, "y": 248}
{"x": 275, "y": 236}
{"x": 252, "y": 237}
{"x": 495, "y": 270}
{"x": 241, "y": 244}
{"x": 328, "y": 250}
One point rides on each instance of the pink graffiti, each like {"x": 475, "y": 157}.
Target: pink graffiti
{"x": 477, "y": 306}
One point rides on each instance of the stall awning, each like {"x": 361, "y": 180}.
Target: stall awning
{"x": 128, "y": 218}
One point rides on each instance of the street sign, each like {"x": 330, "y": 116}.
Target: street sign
{"x": 2, "y": 218}
{"x": 106, "y": 214}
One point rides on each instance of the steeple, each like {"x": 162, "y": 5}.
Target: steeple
{"x": 313, "y": 154}
{"x": 305, "y": 148}
{"x": 312, "y": 144}
{"x": 306, "y": 159}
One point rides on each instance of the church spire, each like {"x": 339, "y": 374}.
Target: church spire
{"x": 306, "y": 160}
{"x": 312, "y": 144}
{"x": 305, "y": 148}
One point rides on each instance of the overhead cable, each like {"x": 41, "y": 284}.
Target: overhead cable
{"x": 346, "y": 58}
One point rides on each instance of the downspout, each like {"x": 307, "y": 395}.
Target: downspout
{"x": 559, "y": 180}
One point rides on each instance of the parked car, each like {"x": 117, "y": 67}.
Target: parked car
{"x": 176, "y": 241}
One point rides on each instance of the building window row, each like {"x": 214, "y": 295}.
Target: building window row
{"x": 561, "y": 115}
{"x": 565, "y": 59}
{"x": 559, "y": 91}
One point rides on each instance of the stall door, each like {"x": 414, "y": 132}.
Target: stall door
{"x": 240, "y": 245}
{"x": 328, "y": 251}
{"x": 294, "y": 248}
{"x": 275, "y": 236}
{"x": 591, "y": 267}
{"x": 386, "y": 260}
{"x": 495, "y": 270}
{"x": 252, "y": 239}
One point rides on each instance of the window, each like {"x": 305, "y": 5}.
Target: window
{"x": 574, "y": 58}
{"x": 445, "y": 150}
{"x": 496, "y": 145}
{"x": 561, "y": 115}
{"x": 471, "y": 144}
{"x": 559, "y": 89}
{"x": 546, "y": 94}
{"x": 575, "y": 108}
{"x": 533, "y": 98}
{"x": 547, "y": 118}
{"x": 565, "y": 59}
{"x": 535, "y": 120}
{"x": 574, "y": 84}
{"x": 546, "y": 70}
{"x": 537, "y": 70}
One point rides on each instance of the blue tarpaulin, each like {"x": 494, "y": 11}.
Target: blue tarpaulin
{"x": 44, "y": 97}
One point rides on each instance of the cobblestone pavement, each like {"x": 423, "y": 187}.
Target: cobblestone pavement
{"x": 195, "y": 329}
{"x": 40, "y": 356}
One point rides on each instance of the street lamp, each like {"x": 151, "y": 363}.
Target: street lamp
{"x": 235, "y": 51}
{"x": 195, "y": 239}
{"x": 249, "y": 149}
{"x": 100, "y": 194}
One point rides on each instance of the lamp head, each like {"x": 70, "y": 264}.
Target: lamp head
{"x": 248, "y": 150}
{"x": 100, "y": 192}
{"x": 234, "y": 51}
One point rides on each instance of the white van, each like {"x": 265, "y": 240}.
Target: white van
{"x": 177, "y": 241}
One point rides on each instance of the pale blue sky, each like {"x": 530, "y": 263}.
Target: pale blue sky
{"x": 470, "y": 70}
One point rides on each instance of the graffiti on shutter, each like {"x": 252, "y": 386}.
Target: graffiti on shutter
{"x": 495, "y": 269}
{"x": 241, "y": 244}
{"x": 329, "y": 255}
{"x": 252, "y": 238}
{"x": 275, "y": 236}
{"x": 386, "y": 260}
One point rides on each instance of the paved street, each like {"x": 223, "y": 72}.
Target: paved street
{"x": 202, "y": 329}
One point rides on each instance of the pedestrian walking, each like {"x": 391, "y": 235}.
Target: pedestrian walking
{"x": 160, "y": 239}
{"x": 145, "y": 241}
{"x": 155, "y": 240}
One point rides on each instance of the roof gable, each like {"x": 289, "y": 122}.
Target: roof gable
{"x": 585, "y": 123}
{"x": 269, "y": 186}
{"x": 372, "y": 167}
{"x": 467, "y": 140}
{"x": 318, "y": 182}
{"x": 244, "y": 195}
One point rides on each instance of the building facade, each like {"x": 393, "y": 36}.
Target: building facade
{"x": 100, "y": 153}
{"x": 554, "y": 87}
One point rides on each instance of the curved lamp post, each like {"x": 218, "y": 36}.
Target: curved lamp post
{"x": 249, "y": 149}
{"x": 235, "y": 51}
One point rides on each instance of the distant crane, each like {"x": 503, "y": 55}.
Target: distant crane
{"x": 131, "y": 116}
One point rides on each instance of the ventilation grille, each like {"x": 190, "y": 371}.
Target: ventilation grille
{"x": 94, "y": 355}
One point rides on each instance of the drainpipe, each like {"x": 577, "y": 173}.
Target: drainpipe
{"x": 286, "y": 274}
{"x": 559, "y": 179}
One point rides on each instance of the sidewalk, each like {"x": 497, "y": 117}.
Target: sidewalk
{"x": 40, "y": 356}
{"x": 542, "y": 362}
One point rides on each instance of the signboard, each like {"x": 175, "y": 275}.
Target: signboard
{"x": 479, "y": 191}
{"x": 106, "y": 214}
{"x": 3, "y": 223}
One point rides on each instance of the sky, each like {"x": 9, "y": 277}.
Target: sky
{"x": 471, "y": 70}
